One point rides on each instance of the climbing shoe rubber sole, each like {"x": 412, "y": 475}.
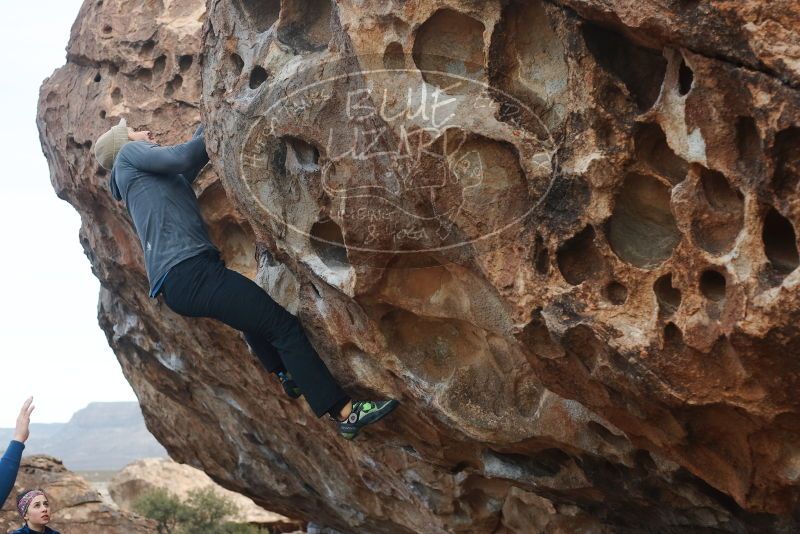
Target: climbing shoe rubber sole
{"x": 365, "y": 413}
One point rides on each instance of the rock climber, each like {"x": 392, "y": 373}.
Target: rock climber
{"x": 9, "y": 464}
{"x": 184, "y": 265}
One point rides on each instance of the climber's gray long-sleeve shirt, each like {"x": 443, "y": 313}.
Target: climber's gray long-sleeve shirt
{"x": 155, "y": 183}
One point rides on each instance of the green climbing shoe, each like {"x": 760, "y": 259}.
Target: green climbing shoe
{"x": 289, "y": 385}
{"x": 365, "y": 413}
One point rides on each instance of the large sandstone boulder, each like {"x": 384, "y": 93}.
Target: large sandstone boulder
{"x": 142, "y": 476}
{"x": 76, "y": 507}
{"x": 562, "y": 233}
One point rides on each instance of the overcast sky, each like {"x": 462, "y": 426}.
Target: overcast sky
{"x": 51, "y": 346}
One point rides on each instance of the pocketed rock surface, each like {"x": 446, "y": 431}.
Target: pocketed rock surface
{"x": 562, "y": 233}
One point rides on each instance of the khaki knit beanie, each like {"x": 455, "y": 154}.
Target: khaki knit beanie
{"x": 107, "y": 146}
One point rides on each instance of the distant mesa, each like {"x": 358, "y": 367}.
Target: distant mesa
{"x": 104, "y": 436}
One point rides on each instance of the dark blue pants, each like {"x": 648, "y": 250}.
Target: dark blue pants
{"x": 203, "y": 287}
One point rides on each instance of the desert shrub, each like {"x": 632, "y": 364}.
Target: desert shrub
{"x": 163, "y": 507}
{"x": 204, "y": 510}
{"x": 239, "y": 528}
{"x": 207, "y": 511}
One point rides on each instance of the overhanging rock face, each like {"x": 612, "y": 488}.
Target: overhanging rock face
{"x": 563, "y": 234}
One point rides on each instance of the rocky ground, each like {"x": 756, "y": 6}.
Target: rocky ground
{"x": 562, "y": 233}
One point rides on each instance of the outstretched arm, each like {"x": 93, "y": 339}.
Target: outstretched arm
{"x": 9, "y": 464}
{"x": 176, "y": 159}
{"x": 192, "y": 174}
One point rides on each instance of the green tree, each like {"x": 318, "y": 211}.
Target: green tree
{"x": 240, "y": 528}
{"x": 162, "y": 506}
{"x": 208, "y": 511}
{"x": 204, "y": 511}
